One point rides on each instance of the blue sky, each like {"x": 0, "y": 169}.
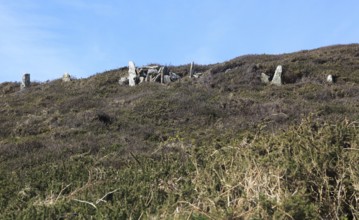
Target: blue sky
{"x": 47, "y": 38}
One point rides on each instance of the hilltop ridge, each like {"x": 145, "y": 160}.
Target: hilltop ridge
{"x": 88, "y": 126}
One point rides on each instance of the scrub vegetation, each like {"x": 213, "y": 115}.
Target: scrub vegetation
{"x": 223, "y": 146}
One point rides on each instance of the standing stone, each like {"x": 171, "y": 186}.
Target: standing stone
{"x": 132, "y": 73}
{"x": 66, "y": 77}
{"x": 277, "y": 78}
{"x": 164, "y": 72}
{"x": 191, "y": 70}
{"x": 330, "y": 79}
{"x": 264, "y": 78}
{"x": 161, "y": 74}
{"x": 25, "y": 81}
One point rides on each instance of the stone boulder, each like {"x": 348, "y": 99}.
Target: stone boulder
{"x": 123, "y": 81}
{"x": 66, "y": 77}
{"x": 264, "y": 78}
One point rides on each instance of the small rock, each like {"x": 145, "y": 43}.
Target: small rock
{"x": 330, "y": 79}
{"x": 123, "y": 81}
{"x": 166, "y": 79}
{"x": 264, "y": 78}
{"x": 174, "y": 77}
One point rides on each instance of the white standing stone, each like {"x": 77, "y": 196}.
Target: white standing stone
{"x": 330, "y": 79}
{"x": 277, "y": 78}
{"x": 264, "y": 78}
{"x": 191, "y": 70}
{"x": 66, "y": 77}
{"x": 132, "y": 73}
{"x": 25, "y": 81}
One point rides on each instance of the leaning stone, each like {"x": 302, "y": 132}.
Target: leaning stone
{"x": 156, "y": 78}
{"x": 123, "y": 81}
{"x": 25, "y": 81}
{"x": 264, "y": 78}
{"x": 277, "y": 78}
{"x": 132, "y": 73}
{"x": 330, "y": 79}
{"x": 66, "y": 77}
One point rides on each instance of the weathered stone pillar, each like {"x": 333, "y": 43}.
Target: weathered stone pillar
{"x": 132, "y": 73}
{"x": 25, "y": 81}
{"x": 277, "y": 78}
{"x": 66, "y": 77}
{"x": 191, "y": 70}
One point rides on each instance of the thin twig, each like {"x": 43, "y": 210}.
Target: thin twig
{"x": 61, "y": 192}
{"x": 101, "y": 200}
{"x": 136, "y": 159}
{"x": 90, "y": 203}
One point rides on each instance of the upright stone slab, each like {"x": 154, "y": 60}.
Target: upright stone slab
{"x": 132, "y": 73}
{"x": 66, "y": 77}
{"x": 164, "y": 72}
{"x": 161, "y": 74}
{"x": 277, "y": 78}
{"x": 191, "y": 70}
{"x": 25, "y": 81}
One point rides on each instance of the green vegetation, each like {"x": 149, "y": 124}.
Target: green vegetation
{"x": 223, "y": 146}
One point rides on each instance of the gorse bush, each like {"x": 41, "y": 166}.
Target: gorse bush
{"x": 308, "y": 171}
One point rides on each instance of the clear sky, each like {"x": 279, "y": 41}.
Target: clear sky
{"x": 47, "y": 38}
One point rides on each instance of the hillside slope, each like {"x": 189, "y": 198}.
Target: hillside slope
{"x": 65, "y": 143}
